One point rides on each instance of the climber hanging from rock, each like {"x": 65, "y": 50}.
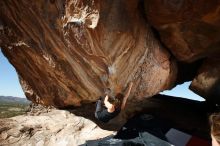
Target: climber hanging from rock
{"x": 112, "y": 105}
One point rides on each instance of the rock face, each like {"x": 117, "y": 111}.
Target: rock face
{"x": 68, "y": 53}
{"x": 207, "y": 82}
{"x": 191, "y": 31}
{"x": 52, "y": 128}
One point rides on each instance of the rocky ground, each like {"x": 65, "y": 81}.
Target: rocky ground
{"x": 50, "y": 127}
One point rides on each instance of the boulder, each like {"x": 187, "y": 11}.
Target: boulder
{"x": 52, "y": 128}
{"x": 189, "y": 29}
{"x": 207, "y": 81}
{"x": 69, "y": 53}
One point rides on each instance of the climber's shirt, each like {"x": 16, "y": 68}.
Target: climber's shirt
{"x": 102, "y": 113}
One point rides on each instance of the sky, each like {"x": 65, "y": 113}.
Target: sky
{"x": 10, "y": 86}
{"x": 183, "y": 91}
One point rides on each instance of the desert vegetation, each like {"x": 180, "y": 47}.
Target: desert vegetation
{"x": 12, "y": 106}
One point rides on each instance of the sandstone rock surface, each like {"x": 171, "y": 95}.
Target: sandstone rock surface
{"x": 52, "y": 128}
{"x": 189, "y": 29}
{"x": 207, "y": 82}
{"x": 68, "y": 52}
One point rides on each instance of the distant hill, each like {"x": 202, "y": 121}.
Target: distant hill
{"x": 11, "y": 99}
{"x": 13, "y": 106}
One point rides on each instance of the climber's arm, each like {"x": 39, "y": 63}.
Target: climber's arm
{"x": 126, "y": 96}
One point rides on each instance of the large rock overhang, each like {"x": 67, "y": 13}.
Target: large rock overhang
{"x": 67, "y": 53}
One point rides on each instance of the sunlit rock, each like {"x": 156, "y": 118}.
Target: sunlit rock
{"x": 69, "y": 53}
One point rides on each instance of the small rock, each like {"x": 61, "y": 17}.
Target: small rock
{"x": 4, "y": 135}
{"x": 14, "y": 132}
